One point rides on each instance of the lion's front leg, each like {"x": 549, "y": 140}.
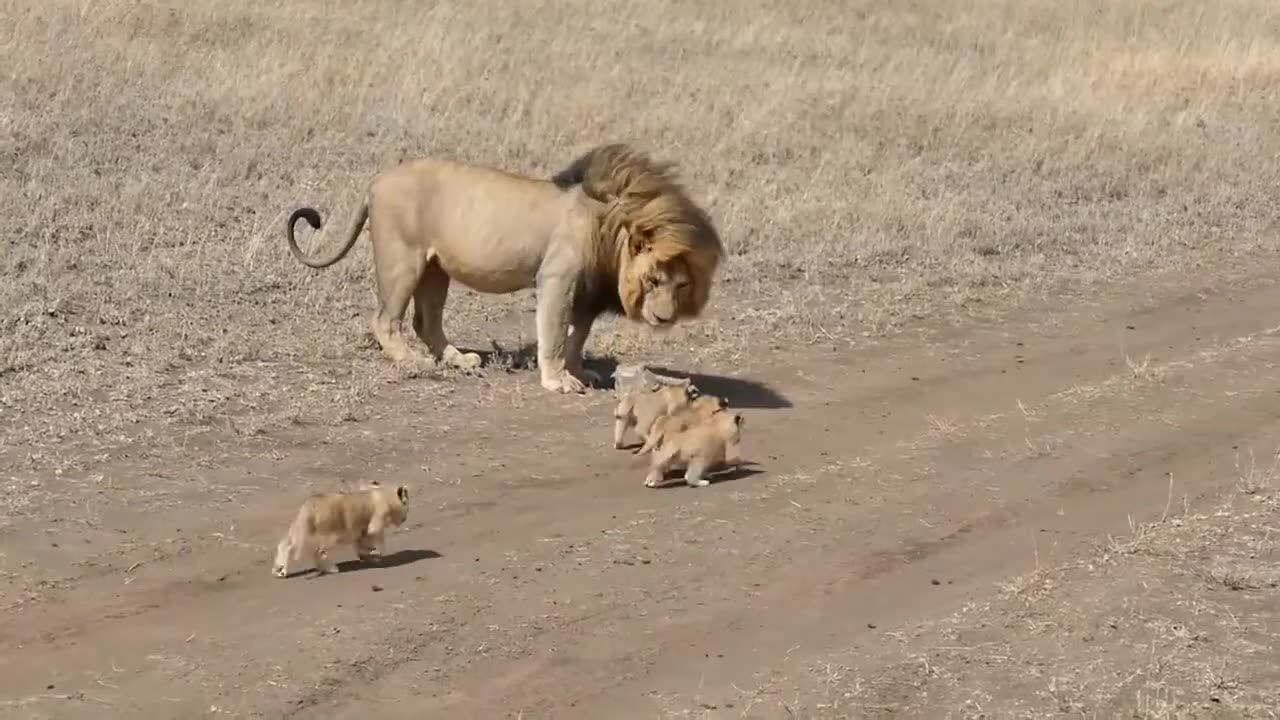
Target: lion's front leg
{"x": 555, "y": 297}
{"x": 574, "y": 346}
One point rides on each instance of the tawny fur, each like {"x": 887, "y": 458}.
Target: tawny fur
{"x": 641, "y": 408}
{"x": 700, "y": 447}
{"x": 612, "y": 233}
{"x": 326, "y": 520}
{"x": 698, "y": 411}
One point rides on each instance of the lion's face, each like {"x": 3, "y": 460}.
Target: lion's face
{"x": 667, "y": 289}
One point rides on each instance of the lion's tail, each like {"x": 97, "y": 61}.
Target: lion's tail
{"x": 313, "y": 219}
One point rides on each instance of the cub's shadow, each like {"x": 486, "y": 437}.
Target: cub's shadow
{"x": 395, "y": 559}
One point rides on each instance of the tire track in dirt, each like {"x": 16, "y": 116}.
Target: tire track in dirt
{"x": 751, "y": 567}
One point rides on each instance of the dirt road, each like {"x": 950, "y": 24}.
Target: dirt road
{"x": 891, "y": 483}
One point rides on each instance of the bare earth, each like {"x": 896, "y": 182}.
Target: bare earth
{"x": 892, "y": 487}
{"x": 1000, "y": 308}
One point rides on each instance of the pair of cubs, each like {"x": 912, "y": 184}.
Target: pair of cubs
{"x": 680, "y": 426}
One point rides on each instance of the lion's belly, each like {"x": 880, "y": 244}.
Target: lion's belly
{"x": 491, "y": 272}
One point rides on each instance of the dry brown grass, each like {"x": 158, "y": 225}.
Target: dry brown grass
{"x": 868, "y": 162}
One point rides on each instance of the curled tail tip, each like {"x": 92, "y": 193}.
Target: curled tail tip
{"x": 311, "y": 215}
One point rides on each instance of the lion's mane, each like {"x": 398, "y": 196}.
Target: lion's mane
{"x": 649, "y": 221}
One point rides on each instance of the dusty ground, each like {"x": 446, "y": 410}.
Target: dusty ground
{"x": 998, "y": 308}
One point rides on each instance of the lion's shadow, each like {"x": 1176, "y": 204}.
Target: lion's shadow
{"x": 742, "y": 394}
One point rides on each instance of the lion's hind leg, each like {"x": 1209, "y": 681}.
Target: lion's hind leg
{"x": 428, "y": 318}
{"x": 398, "y": 270}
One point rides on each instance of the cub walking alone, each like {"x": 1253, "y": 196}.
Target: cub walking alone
{"x": 326, "y": 520}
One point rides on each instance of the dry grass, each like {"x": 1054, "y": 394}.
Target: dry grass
{"x": 869, "y": 163}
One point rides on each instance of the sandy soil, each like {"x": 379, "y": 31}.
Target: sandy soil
{"x": 537, "y": 577}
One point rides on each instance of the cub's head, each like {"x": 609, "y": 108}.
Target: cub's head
{"x": 400, "y": 508}
{"x": 728, "y": 425}
{"x": 678, "y": 394}
{"x": 397, "y": 503}
{"x": 709, "y": 404}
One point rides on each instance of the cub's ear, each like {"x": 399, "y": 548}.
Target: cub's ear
{"x": 402, "y": 492}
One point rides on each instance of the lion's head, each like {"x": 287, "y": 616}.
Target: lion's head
{"x": 664, "y": 248}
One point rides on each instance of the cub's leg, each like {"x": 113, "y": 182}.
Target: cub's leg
{"x": 290, "y": 547}
{"x": 662, "y": 461}
{"x": 367, "y": 549}
{"x": 398, "y": 268}
{"x": 428, "y": 318}
{"x": 285, "y": 552}
{"x": 622, "y": 419}
{"x": 654, "y": 437}
{"x": 555, "y": 294}
{"x": 693, "y": 475}
{"x": 320, "y": 554}
{"x": 376, "y": 534}
{"x": 574, "y": 346}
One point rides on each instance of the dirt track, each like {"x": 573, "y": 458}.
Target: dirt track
{"x": 889, "y": 484}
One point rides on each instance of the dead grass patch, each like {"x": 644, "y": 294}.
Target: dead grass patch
{"x": 869, "y": 165}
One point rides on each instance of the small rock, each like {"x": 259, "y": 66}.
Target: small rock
{"x": 377, "y": 588}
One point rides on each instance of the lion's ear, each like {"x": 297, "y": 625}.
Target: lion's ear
{"x": 638, "y": 239}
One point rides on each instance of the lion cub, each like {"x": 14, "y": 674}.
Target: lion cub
{"x": 700, "y": 446}
{"x": 641, "y": 408}
{"x": 699, "y": 410}
{"x": 326, "y": 520}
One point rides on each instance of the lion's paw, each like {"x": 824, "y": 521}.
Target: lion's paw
{"x": 565, "y": 383}
{"x": 279, "y": 571}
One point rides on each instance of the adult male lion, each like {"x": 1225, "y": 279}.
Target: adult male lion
{"x": 613, "y": 232}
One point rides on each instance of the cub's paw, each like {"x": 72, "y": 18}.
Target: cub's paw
{"x": 454, "y": 357}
